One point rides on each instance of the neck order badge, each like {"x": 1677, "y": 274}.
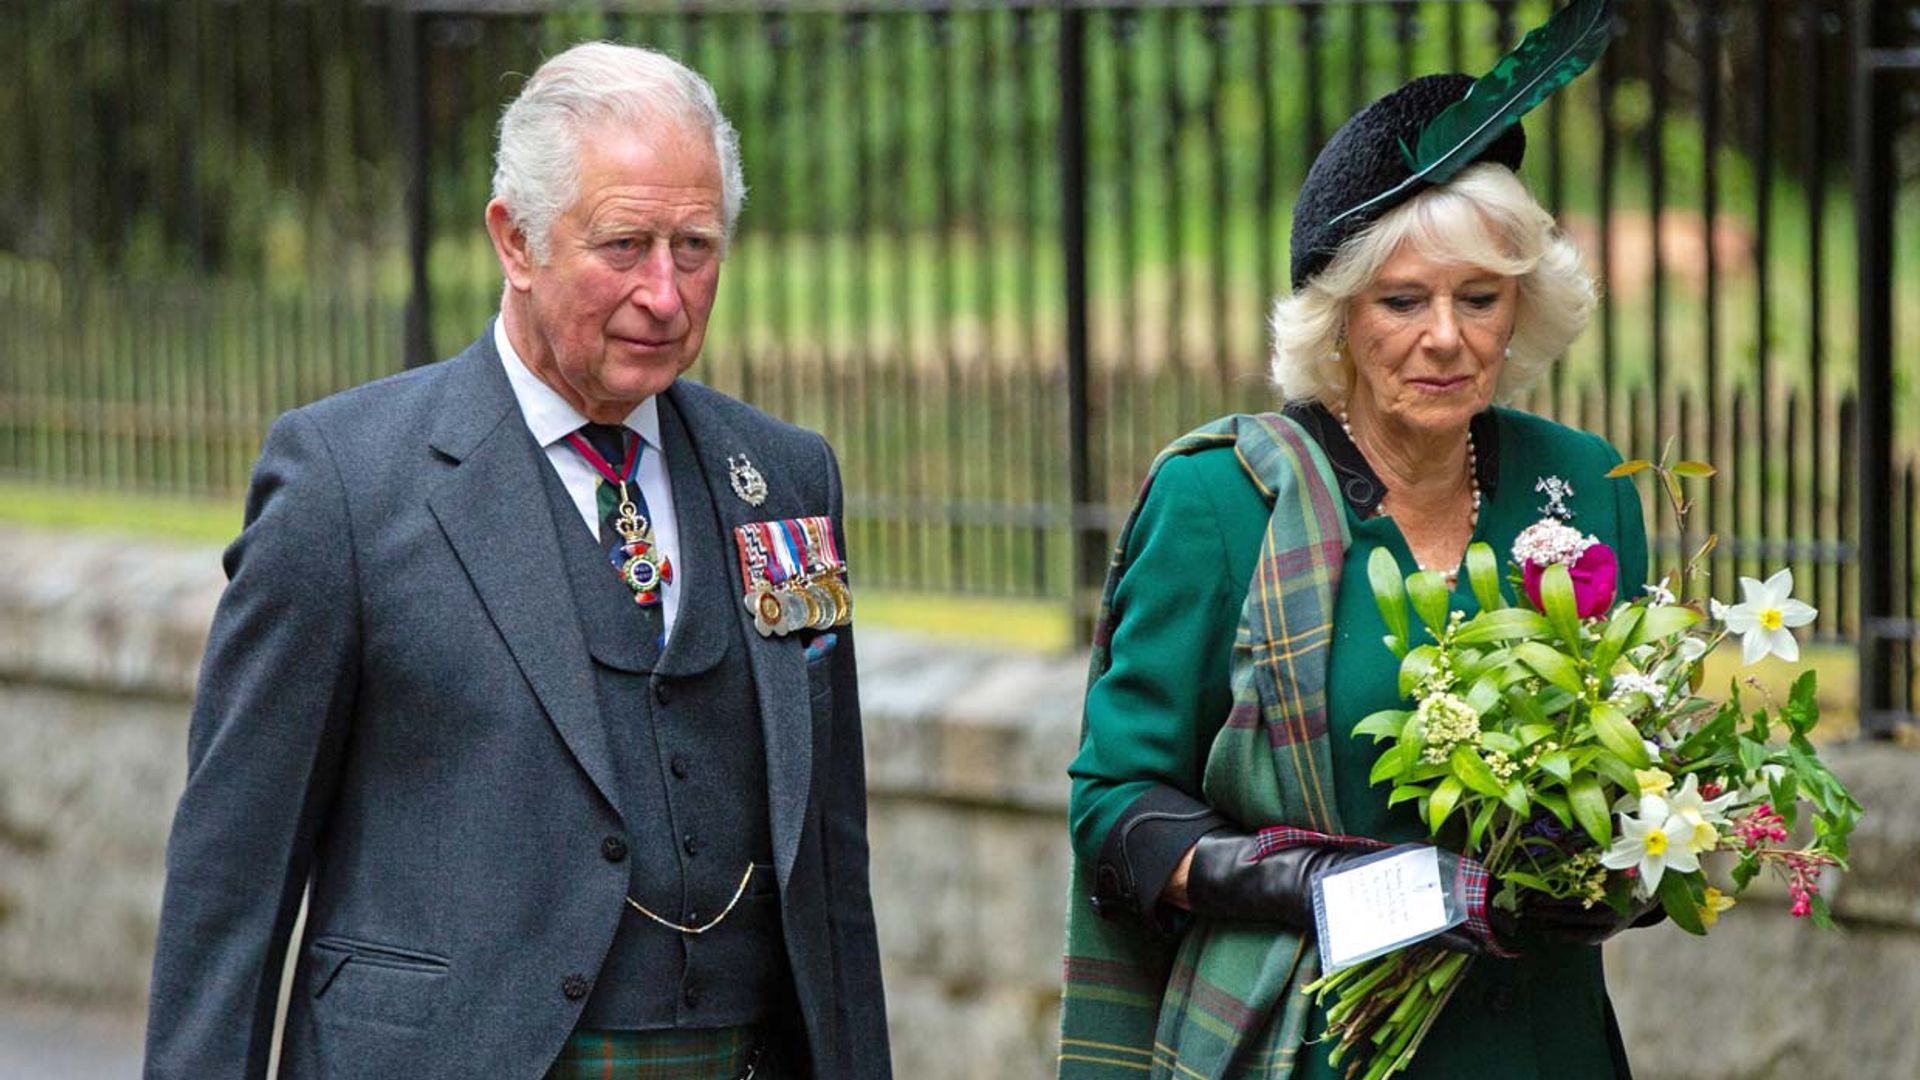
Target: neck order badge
{"x": 643, "y": 568}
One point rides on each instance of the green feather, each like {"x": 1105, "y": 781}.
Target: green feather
{"x": 1547, "y": 59}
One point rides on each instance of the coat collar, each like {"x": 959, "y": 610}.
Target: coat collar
{"x": 492, "y": 508}
{"x": 1359, "y": 484}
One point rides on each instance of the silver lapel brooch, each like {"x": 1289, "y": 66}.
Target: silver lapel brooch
{"x": 746, "y": 480}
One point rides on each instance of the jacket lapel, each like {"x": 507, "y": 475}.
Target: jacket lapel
{"x": 779, "y": 669}
{"x": 493, "y": 509}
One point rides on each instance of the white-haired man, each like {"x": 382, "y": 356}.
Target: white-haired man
{"x": 484, "y": 687}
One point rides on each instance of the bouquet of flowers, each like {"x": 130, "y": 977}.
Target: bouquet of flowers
{"x": 1564, "y": 745}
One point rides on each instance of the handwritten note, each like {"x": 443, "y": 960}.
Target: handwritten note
{"x": 1381, "y": 905}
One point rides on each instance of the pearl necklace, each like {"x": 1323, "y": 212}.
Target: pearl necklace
{"x": 1473, "y": 484}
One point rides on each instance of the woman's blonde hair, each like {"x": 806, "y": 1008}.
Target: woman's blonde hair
{"x": 1485, "y": 217}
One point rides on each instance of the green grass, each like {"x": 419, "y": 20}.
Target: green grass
{"x": 1028, "y": 625}
{"x": 213, "y": 521}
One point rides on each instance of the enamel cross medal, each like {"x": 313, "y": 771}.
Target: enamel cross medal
{"x": 636, "y": 558}
{"x": 641, "y": 566}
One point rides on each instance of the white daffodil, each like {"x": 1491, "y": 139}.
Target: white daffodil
{"x": 1703, "y": 817}
{"x": 1765, "y": 618}
{"x": 1651, "y": 843}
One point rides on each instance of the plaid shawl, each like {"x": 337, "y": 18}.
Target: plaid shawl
{"x": 1221, "y": 1000}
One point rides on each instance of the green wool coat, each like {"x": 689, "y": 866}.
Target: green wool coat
{"x": 1152, "y": 717}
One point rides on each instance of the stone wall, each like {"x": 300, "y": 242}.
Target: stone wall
{"x": 966, "y": 755}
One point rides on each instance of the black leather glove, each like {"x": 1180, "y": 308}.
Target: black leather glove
{"x": 1225, "y": 881}
{"x": 1568, "y": 921}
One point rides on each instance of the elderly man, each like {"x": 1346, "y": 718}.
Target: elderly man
{"x": 533, "y": 674}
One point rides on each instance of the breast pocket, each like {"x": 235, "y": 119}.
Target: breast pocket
{"x": 353, "y": 979}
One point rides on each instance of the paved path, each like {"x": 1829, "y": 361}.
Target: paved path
{"x": 45, "y": 1042}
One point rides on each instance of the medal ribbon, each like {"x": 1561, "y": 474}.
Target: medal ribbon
{"x": 786, "y": 560}
{"x": 600, "y": 465}
{"x": 753, "y": 555}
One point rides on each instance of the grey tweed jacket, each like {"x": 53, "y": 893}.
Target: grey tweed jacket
{"x": 397, "y": 712}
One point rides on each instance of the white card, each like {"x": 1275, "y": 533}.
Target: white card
{"x": 1380, "y": 905}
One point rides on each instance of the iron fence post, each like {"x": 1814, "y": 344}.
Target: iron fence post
{"x": 1872, "y": 168}
{"x": 408, "y": 50}
{"x": 1086, "y": 522}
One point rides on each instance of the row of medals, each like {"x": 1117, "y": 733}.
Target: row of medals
{"x": 816, "y": 602}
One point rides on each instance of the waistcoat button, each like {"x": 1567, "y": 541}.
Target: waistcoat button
{"x": 613, "y": 849}
{"x": 575, "y": 986}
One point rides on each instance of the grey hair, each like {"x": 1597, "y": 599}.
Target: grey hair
{"x": 1484, "y": 217}
{"x": 536, "y": 162}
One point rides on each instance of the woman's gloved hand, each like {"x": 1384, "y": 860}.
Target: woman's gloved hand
{"x": 1229, "y": 878}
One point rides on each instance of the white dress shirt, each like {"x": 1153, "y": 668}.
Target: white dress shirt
{"x": 550, "y": 418}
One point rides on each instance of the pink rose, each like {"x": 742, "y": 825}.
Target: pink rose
{"x": 1596, "y": 577}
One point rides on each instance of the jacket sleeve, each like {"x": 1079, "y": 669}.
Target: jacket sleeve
{"x": 1136, "y": 804}
{"x": 1630, "y": 528}
{"x": 263, "y": 752}
{"x": 858, "y": 997}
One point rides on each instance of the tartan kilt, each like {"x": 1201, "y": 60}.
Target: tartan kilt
{"x": 672, "y": 1054}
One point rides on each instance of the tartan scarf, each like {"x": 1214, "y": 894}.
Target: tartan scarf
{"x": 1222, "y": 1000}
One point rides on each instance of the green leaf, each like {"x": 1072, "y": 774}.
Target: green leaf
{"x": 1501, "y": 741}
{"x": 1562, "y": 609}
{"x": 1613, "y": 639}
{"x": 1590, "y": 809}
{"x": 1404, "y": 792}
{"x": 1506, "y": 624}
{"x": 1484, "y": 695}
{"x": 1683, "y": 905}
{"x": 1745, "y": 871}
{"x": 1526, "y": 708}
{"x": 1473, "y": 772}
{"x": 1428, "y": 591}
{"x": 1516, "y": 799}
{"x": 1418, "y": 664}
{"x": 1384, "y": 724}
{"x": 1478, "y": 829}
{"x": 1822, "y": 914}
{"x": 1660, "y": 623}
{"x": 1483, "y": 573}
{"x": 1672, "y": 484}
{"x": 1550, "y": 665}
{"x": 1532, "y": 733}
{"x": 1389, "y": 594}
{"x": 1441, "y": 805}
{"x": 1752, "y": 755}
{"x": 1557, "y": 765}
{"x": 1531, "y": 881}
{"x": 1390, "y": 763}
{"x": 1556, "y": 805}
{"x": 1618, "y": 734}
{"x": 1615, "y": 768}
{"x": 1801, "y": 711}
{"x": 1711, "y": 734}
{"x": 1628, "y": 468}
{"x": 1693, "y": 470}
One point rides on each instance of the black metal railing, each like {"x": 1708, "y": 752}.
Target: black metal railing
{"x": 999, "y": 254}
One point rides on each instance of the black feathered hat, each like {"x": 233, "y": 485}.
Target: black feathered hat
{"x": 1429, "y": 130}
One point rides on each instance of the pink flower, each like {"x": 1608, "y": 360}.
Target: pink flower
{"x": 1596, "y": 578}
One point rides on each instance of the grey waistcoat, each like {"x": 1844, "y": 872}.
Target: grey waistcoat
{"x": 685, "y": 733}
